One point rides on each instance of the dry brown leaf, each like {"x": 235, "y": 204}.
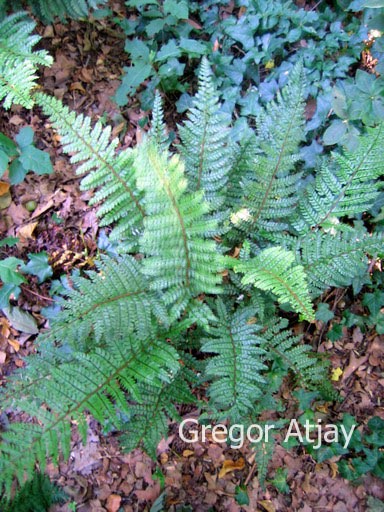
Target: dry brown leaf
{"x": 4, "y": 187}
{"x": 15, "y": 344}
{"x": 3, "y": 357}
{"x": 113, "y": 503}
{"x": 5, "y": 195}
{"x": 27, "y": 230}
{"x": 267, "y": 505}
{"x": 231, "y": 465}
{"x": 188, "y": 453}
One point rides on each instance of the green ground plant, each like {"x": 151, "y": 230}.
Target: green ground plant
{"x": 220, "y": 241}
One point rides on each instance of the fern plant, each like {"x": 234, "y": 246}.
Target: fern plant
{"x": 201, "y": 271}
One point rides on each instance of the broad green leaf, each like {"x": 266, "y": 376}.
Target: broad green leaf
{"x": 335, "y": 132}
{"x": 168, "y": 51}
{"x": 193, "y": 46}
{"x": 25, "y": 137}
{"x": 5, "y": 293}
{"x": 133, "y": 77}
{"x": 8, "y": 270}
{"x": 3, "y": 161}
{"x": 137, "y": 49}
{"x": 35, "y": 160}
{"x": 10, "y": 241}
{"x": 7, "y": 145}
{"x": 323, "y": 313}
{"x": 38, "y": 266}
{"x": 21, "y": 320}
{"x": 179, "y": 9}
{"x": 17, "y": 172}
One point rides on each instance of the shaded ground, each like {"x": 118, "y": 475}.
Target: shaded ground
{"x": 88, "y": 61}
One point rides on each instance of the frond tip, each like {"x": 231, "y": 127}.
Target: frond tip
{"x": 274, "y": 270}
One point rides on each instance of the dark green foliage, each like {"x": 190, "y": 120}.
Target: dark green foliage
{"x": 36, "y": 495}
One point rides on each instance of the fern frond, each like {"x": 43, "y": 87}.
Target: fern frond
{"x": 346, "y": 185}
{"x": 275, "y": 270}
{"x": 180, "y": 259}
{"x": 336, "y": 259}
{"x": 112, "y": 174}
{"x": 18, "y": 62}
{"x": 97, "y": 383}
{"x": 148, "y": 421}
{"x": 114, "y": 302}
{"x": 270, "y": 196}
{"x": 158, "y": 131}
{"x": 75, "y": 9}
{"x": 236, "y": 369}
{"x": 206, "y": 142}
{"x": 289, "y": 353}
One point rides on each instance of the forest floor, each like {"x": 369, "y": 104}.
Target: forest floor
{"x": 88, "y": 61}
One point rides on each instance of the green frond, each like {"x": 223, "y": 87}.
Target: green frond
{"x": 111, "y": 173}
{"x": 148, "y": 421}
{"x": 115, "y": 301}
{"x": 270, "y": 194}
{"x": 345, "y": 185}
{"x": 275, "y": 270}
{"x": 206, "y": 146}
{"x": 18, "y": 62}
{"x": 235, "y": 371}
{"x": 47, "y": 10}
{"x": 289, "y": 353}
{"x": 96, "y": 382}
{"x": 336, "y": 259}
{"x": 158, "y": 131}
{"x": 180, "y": 260}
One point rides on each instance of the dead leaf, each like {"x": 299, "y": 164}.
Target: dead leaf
{"x": 5, "y": 195}
{"x": 231, "y": 465}
{"x": 353, "y": 365}
{"x": 267, "y": 505}
{"x": 14, "y": 344}
{"x": 27, "y": 230}
{"x": 3, "y": 357}
{"x": 113, "y": 503}
{"x": 188, "y": 453}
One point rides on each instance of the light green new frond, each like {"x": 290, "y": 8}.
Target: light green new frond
{"x": 112, "y": 174}
{"x": 270, "y": 195}
{"x": 346, "y": 185}
{"x": 288, "y": 352}
{"x": 236, "y": 369}
{"x": 206, "y": 142}
{"x": 47, "y": 10}
{"x": 114, "y": 302}
{"x": 180, "y": 260}
{"x": 148, "y": 420}
{"x": 97, "y": 383}
{"x": 336, "y": 259}
{"x": 275, "y": 270}
{"x": 158, "y": 131}
{"x": 18, "y": 62}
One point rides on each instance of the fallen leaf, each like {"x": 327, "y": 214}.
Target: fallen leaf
{"x": 14, "y": 344}
{"x": 188, "y": 453}
{"x": 5, "y": 195}
{"x": 21, "y": 320}
{"x": 336, "y": 374}
{"x": 231, "y": 465}
{"x": 113, "y": 503}
{"x": 27, "y": 230}
{"x": 267, "y": 505}
{"x": 3, "y": 357}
